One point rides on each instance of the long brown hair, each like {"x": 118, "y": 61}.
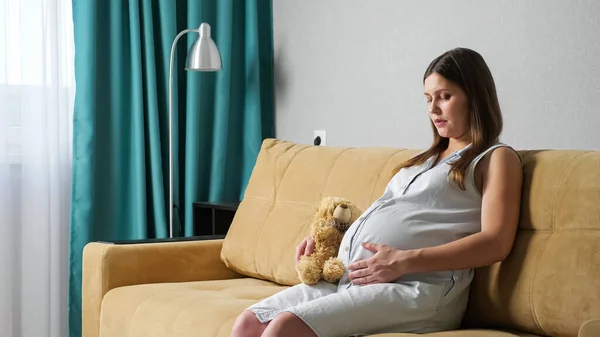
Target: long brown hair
{"x": 467, "y": 69}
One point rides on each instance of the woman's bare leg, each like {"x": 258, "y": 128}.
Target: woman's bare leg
{"x": 247, "y": 325}
{"x": 287, "y": 324}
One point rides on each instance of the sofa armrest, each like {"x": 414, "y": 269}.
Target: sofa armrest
{"x": 106, "y": 266}
{"x": 165, "y": 240}
{"x": 590, "y": 328}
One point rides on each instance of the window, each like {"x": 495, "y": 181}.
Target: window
{"x": 13, "y": 112}
{"x": 36, "y": 58}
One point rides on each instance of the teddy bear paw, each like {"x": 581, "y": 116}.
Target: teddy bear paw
{"x": 308, "y": 270}
{"x": 333, "y": 270}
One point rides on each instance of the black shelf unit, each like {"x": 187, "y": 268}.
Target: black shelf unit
{"x": 212, "y": 218}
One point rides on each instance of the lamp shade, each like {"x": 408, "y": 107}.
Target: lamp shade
{"x": 204, "y": 54}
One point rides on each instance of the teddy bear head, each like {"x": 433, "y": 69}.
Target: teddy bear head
{"x": 338, "y": 212}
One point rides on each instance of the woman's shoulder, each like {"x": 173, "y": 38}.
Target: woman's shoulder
{"x": 505, "y": 156}
{"x": 499, "y": 162}
{"x": 501, "y": 159}
{"x": 501, "y": 152}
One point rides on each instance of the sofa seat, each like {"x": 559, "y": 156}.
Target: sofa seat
{"x": 204, "y": 308}
{"x": 461, "y": 333}
{"x": 183, "y": 309}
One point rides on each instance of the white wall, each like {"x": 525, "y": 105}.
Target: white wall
{"x": 354, "y": 68}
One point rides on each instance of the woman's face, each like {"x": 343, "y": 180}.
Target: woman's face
{"x": 448, "y": 107}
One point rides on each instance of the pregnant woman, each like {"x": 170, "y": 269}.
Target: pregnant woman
{"x": 410, "y": 256}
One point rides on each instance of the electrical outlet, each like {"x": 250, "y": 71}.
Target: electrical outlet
{"x": 320, "y": 137}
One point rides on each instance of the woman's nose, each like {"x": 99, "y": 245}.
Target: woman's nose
{"x": 434, "y": 108}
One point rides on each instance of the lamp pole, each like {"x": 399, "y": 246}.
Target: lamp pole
{"x": 202, "y": 56}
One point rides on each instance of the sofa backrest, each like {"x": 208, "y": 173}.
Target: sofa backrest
{"x": 548, "y": 285}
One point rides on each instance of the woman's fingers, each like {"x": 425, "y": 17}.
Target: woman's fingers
{"x": 310, "y": 246}
{"x": 300, "y": 249}
{"x": 306, "y": 247}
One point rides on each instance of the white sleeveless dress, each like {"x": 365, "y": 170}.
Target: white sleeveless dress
{"x": 420, "y": 207}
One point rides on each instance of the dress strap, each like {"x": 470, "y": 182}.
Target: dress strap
{"x": 473, "y": 165}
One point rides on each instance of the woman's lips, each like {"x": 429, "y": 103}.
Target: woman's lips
{"x": 440, "y": 122}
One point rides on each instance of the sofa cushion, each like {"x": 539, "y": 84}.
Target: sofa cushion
{"x": 286, "y": 185}
{"x": 206, "y": 308}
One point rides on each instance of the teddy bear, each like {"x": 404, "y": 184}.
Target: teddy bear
{"x": 333, "y": 217}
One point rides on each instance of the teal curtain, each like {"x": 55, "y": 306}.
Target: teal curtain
{"x": 120, "y": 170}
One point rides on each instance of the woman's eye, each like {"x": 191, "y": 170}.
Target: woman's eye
{"x": 445, "y": 97}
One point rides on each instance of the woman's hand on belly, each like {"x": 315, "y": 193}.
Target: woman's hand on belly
{"x": 387, "y": 265}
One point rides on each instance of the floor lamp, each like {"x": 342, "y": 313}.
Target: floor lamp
{"x": 202, "y": 56}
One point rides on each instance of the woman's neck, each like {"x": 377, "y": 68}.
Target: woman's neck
{"x": 456, "y": 144}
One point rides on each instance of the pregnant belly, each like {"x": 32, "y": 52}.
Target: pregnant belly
{"x": 407, "y": 228}
{"x": 410, "y": 228}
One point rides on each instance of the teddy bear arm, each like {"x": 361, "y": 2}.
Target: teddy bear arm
{"x": 325, "y": 233}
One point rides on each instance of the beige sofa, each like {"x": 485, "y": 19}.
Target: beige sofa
{"x": 548, "y": 286}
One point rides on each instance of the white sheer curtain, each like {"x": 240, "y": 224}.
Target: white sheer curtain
{"x": 36, "y": 104}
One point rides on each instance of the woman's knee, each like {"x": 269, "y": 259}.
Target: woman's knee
{"x": 248, "y": 325}
{"x": 288, "y": 325}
